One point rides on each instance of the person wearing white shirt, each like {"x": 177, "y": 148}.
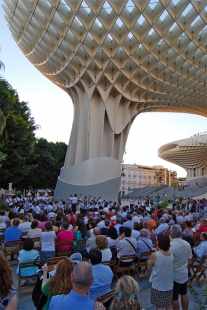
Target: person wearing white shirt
{"x": 51, "y": 215}
{"x": 162, "y": 226}
{"x": 36, "y": 209}
{"x": 106, "y": 209}
{"x": 182, "y": 253}
{"x": 26, "y": 225}
{"x": 74, "y": 200}
{"x": 137, "y": 217}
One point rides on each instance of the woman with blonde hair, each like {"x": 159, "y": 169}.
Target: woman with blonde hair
{"x": 126, "y": 295}
{"x": 60, "y": 283}
{"x": 102, "y": 243}
{"x": 8, "y": 299}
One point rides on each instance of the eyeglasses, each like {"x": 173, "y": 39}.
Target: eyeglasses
{"x": 132, "y": 295}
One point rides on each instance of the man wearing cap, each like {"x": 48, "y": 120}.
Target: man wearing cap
{"x": 113, "y": 221}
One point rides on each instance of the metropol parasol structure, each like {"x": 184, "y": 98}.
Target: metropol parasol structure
{"x": 115, "y": 59}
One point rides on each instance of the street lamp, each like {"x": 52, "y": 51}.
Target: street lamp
{"x": 158, "y": 177}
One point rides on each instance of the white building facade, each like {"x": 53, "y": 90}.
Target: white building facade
{"x": 138, "y": 176}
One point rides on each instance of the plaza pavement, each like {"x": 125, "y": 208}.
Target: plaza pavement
{"x": 25, "y": 302}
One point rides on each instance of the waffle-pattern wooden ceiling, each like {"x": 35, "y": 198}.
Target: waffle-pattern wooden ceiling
{"x": 187, "y": 153}
{"x": 153, "y": 52}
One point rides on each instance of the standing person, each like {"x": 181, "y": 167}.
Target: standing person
{"x": 161, "y": 264}
{"x": 182, "y": 254}
{"x": 74, "y": 200}
{"x": 8, "y": 299}
{"x": 47, "y": 243}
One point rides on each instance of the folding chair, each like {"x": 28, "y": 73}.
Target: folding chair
{"x": 52, "y": 262}
{"x": 120, "y": 269}
{"x": 67, "y": 252}
{"x": 36, "y": 243}
{"x": 198, "y": 270}
{"x": 1, "y": 236}
{"x": 24, "y": 234}
{"x": 114, "y": 252}
{"x": 80, "y": 245}
{"x": 11, "y": 248}
{"x": 196, "y": 238}
{"x": 30, "y": 285}
{"x": 154, "y": 241}
{"x": 142, "y": 263}
{"x": 110, "y": 263}
{"x": 105, "y": 297}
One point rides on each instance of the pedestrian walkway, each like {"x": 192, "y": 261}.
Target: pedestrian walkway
{"x": 25, "y": 302}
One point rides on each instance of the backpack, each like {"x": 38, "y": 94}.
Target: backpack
{"x": 38, "y": 298}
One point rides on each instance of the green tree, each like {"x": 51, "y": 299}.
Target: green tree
{"x": 17, "y": 139}
{"x": 47, "y": 161}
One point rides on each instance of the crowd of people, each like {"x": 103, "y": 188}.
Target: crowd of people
{"x": 109, "y": 231}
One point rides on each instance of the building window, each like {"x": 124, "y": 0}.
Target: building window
{"x": 202, "y": 171}
{"x": 194, "y": 172}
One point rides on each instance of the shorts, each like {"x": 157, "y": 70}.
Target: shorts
{"x": 161, "y": 299}
{"x": 179, "y": 289}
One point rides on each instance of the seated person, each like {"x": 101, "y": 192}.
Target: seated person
{"x": 27, "y": 255}
{"x": 105, "y": 229}
{"x": 135, "y": 232}
{"x": 102, "y": 243}
{"x": 102, "y": 276}
{"x": 201, "y": 249}
{"x": 10, "y": 234}
{"x": 162, "y": 226}
{"x": 113, "y": 237}
{"x": 144, "y": 244}
{"x": 26, "y": 225}
{"x": 2, "y": 225}
{"x": 65, "y": 235}
{"x": 78, "y": 298}
{"x": 188, "y": 230}
{"x": 126, "y": 245}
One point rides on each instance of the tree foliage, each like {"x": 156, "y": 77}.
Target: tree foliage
{"x": 17, "y": 139}
{"x": 25, "y": 161}
{"x": 47, "y": 161}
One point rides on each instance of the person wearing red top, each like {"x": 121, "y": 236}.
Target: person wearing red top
{"x": 111, "y": 213}
{"x": 65, "y": 235}
{"x": 71, "y": 217}
{"x": 203, "y": 226}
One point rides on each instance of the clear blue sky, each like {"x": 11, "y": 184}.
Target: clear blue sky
{"x": 52, "y": 109}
